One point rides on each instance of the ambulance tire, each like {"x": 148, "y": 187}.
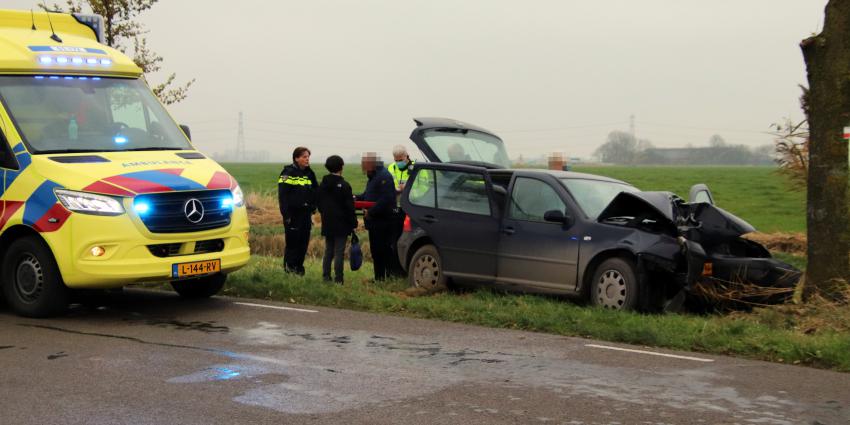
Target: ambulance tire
{"x": 202, "y": 287}
{"x": 32, "y": 284}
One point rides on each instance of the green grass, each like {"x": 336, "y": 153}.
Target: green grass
{"x": 262, "y": 178}
{"x": 756, "y": 194}
{"x": 758, "y": 335}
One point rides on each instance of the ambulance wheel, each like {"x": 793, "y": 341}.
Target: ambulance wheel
{"x": 202, "y": 287}
{"x": 31, "y": 281}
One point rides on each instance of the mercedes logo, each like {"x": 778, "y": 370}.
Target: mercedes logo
{"x": 194, "y": 211}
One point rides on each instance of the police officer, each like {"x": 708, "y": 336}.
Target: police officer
{"x": 379, "y": 218}
{"x": 400, "y": 169}
{"x": 296, "y": 190}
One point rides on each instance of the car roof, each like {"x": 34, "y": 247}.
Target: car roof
{"x": 559, "y": 174}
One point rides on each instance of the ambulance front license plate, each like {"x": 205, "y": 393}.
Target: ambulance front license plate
{"x": 195, "y": 268}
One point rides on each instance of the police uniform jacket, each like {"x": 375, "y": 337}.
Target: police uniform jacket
{"x": 296, "y": 191}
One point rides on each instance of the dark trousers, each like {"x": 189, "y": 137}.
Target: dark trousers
{"x": 297, "y": 233}
{"x": 397, "y": 229}
{"x": 380, "y": 240}
{"x": 334, "y": 252}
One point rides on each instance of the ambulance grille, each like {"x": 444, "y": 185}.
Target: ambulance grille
{"x": 166, "y": 213}
{"x": 173, "y": 249}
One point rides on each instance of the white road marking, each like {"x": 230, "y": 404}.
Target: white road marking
{"x": 277, "y": 307}
{"x": 651, "y": 353}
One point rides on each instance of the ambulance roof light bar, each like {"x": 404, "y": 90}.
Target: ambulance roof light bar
{"x": 95, "y": 22}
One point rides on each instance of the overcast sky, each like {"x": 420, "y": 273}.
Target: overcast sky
{"x": 347, "y": 76}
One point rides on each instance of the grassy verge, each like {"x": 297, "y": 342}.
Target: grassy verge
{"x": 813, "y": 337}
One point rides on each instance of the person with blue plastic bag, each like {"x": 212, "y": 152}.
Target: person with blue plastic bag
{"x": 336, "y": 206}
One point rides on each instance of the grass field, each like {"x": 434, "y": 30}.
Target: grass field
{"x": 756, "y": 194}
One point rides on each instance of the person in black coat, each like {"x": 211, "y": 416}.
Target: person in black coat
{"x": 296, "y": 191}
{"x": 336, "y": 205}
{"x": 379, "y": 218}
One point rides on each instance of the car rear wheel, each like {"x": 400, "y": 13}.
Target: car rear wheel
{"x": 31, "y": 281}
{"x": 615, "y": 285}
{"x": 426, "y": 270}
{"x": 202, "y": 287}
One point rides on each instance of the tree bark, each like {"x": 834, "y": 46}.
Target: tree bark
{"x": 827, "y": 106}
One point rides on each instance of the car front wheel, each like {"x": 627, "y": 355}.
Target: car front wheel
{"x": 31, "y": 281}
{"x": 202, "y": 287}
{"x": 426, "y": 270}
{"x": 615, "y": 285}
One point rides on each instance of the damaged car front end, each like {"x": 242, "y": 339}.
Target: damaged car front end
{"x": 696, "y": 250}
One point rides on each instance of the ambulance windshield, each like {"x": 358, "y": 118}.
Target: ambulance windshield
{"x": 57, "y": 114}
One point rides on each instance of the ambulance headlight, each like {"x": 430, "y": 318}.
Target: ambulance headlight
{"x": 238, "y": 198}
{"x": 89, "y": 203}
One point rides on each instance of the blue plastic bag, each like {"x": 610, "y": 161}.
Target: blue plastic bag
{"x": 355, "y": 254}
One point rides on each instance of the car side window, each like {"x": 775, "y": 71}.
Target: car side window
{"x": 531, "y": 198}
{"x": 463, "y": 192}
{"x": 422, "y": 191}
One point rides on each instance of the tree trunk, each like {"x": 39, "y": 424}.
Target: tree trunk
{"x": 827, "y": 106}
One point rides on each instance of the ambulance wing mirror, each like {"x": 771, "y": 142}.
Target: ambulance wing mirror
{"x": 186, "y": 131}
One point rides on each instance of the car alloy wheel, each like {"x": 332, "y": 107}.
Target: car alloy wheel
{"x": 611, "y": 290}
{"x": 426, "y": 272}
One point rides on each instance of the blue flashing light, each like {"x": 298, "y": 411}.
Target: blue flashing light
{"x": 76, "y": 60}
{"x": 62, "y": 60}
{"x": 46, "y": 60}
{"x": 142, "y": 208}
{"x": 39, "y": 77}
{"x": 106, "y": 62}
{"x": 225, "y": 374}
{"x": 119, "y": 140}
{"x": 91, "y": 61}
{"x": 227, "y": 202}
{"x": 96, "y": 78}
{"x": 69, "y": 78}
{"x": 54, "y": 77}
{"x": 84, "y": 78}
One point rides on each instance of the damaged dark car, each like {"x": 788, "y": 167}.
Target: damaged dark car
{"x": 473, "y": 219}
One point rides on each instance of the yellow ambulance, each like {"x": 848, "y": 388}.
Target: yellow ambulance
{"x": 99, "y": 187}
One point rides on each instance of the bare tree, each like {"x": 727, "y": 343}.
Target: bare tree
{"x": 717, "y": 141}
{"x": 622, "y": 148}
{"x": 827, "y": 107}
{"x": 123, "y": 32}
{"x": 792, "y": 150}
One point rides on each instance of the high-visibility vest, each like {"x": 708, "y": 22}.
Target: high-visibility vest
{"x": 400, "y": 175}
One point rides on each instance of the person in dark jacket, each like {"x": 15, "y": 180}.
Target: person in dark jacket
{"x": 336, "y": 205}
{"x": 379, "y": 218}
{"x": 296, "y": 191}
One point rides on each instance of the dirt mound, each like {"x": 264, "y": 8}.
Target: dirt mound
{"x": 789, "y": 243}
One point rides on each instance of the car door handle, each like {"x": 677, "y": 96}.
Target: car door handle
{"x": 430, "y": 219}
{"x": 508, "y": 230}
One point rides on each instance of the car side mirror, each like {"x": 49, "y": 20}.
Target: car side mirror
{"x": 558, "y": 216}
{"x": 186, "y": 131}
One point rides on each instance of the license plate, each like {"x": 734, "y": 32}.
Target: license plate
{"x": 195, "y": 268}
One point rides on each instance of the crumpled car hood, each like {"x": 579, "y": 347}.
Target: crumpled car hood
{"x": 710, "y": 222}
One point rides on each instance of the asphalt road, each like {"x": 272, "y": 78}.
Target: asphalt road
{"x": 149, "y": 358}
